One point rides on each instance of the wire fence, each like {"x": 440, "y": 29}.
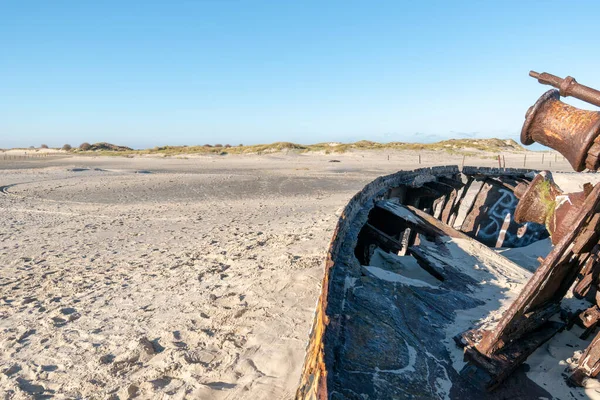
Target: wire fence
{"x": 5, "y": 156}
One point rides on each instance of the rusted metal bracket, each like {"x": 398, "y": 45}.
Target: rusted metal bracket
{"x": 589, "y": 364}
{"x": 588, "y": 320}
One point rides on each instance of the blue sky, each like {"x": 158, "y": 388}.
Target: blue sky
{"x": 234, "y": 71}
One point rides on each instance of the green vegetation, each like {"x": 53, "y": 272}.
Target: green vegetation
{"x": 453, "y": 146}
{"x": 548, "y": 201}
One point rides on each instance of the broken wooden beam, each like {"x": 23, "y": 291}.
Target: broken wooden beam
{"x": 387, "y": 242}
{"x": 489, "y": 372}
{"x": 418, "y": 220}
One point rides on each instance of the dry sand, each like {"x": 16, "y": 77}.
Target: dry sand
{"x": 172, "y": 278}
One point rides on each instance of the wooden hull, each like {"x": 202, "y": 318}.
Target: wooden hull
{"x": 376, "y": 337}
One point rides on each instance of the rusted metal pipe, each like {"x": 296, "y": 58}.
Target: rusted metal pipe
{"x": 567, "y": 129}
{"x": 569, "y": 87}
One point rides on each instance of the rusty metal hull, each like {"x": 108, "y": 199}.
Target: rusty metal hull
{"x": 385, "y": 340}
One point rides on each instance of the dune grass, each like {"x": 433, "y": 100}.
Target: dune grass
{"x": 453, "y": 146}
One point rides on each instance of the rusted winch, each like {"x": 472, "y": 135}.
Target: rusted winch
{"x": 573, "y": 132}
{"x": 542, "y": 202}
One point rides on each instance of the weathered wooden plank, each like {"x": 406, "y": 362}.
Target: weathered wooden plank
{"x": 588, "y": 238}
{"x": 447, "y": 212}
{"x": 469, "y": 224}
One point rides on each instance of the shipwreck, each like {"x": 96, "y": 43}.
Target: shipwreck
{"x": 420, "y": 299}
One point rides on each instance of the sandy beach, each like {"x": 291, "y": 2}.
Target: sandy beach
{"x": 190, "y": 277}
